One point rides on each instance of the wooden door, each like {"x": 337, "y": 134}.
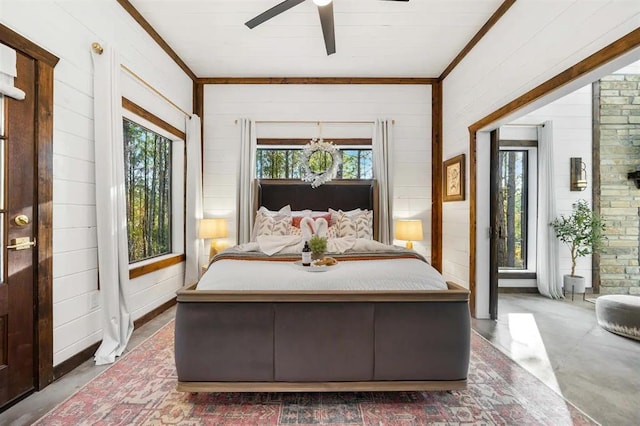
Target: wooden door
{"x": 494, "y": 214}
{"x": 18, "y": 366}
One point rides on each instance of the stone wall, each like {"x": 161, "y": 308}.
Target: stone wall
{"x": 620, "y": 199}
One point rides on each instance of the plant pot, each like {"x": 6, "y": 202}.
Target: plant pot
{"x": 574, "y": 284}
{"x": 317, "y": 256}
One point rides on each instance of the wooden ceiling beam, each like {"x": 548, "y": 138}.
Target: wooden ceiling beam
{"x": 137, "y": 16}
{"x": 476, "y": 38}
{"x": 316, "y": 80}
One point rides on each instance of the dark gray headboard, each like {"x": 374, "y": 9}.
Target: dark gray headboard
{"x": 345, "y": 194}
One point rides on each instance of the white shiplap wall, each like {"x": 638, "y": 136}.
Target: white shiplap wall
{"x": 67, "y": 29}
{"x": 514, "y": 57}
{"x": 408, "y": 105}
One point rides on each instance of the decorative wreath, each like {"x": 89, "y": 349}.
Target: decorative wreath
{"x": 315, "y": 178}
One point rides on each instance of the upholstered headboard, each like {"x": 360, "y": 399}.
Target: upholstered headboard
{"x": 345, "y": 195}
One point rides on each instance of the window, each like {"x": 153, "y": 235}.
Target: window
{"x": 512, "y": 199}
{"x": 148, "y": 182}
{"x": 284, "y": 161}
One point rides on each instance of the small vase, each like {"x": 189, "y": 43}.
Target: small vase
{"x": 317, "y": 256}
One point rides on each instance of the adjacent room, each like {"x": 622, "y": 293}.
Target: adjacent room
{"x": 319, "y": 212}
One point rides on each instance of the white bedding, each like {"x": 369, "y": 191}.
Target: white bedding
{"x": 368, "y": 275}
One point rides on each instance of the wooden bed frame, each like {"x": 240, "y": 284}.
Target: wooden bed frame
{"x": 286, "y": 341}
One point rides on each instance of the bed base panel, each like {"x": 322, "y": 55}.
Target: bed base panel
{"x": 274, "y": 345}
{"x": 368, "y": 386}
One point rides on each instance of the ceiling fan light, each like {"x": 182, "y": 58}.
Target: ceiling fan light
{"x": 322, "y": 2}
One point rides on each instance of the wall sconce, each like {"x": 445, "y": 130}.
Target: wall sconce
{"x": 212, "y": 229}
{"x": 578, "y": 174}
{"x": 409, "y": 230}
{"x": 635, "y": 176}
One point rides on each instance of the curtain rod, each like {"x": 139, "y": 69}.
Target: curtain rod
{"x": 98, "y": 49}
{"x": 316, "y": 122}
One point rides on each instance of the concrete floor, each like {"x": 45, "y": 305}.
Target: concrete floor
{"x": 558, "y": 341}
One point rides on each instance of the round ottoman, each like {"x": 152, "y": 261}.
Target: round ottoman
{"x": 620, "y": 314}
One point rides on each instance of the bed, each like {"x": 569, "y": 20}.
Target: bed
{"x": 321, "y": 331}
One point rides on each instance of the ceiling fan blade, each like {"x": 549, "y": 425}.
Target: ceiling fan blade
{"x": 326, "y": 20}
{"x": 274, "y": 11}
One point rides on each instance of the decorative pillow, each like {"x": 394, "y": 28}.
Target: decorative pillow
{"x": 335, "y": 214}
{"x": 264, "y": 214}
{"x": 296, "y": 219}
{"x": 359, "y": 226}
{"x": 266, "y": 225}
{"x": 332, "y": 232}
{"x": 293, "y": 230}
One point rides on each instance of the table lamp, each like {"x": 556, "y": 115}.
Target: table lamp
{"x": 213, "y": 229}
{"x": 409, "y": 230}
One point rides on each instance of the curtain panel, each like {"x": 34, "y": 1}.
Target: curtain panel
{"x": 547, "y": 266}
{"x": 248, "y": 144}
{"x": 193, "y": 245}
{"x": 383, "y": 173}
{"x": 113, "y": 253}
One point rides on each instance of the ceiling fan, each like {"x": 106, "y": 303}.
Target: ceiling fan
{"x": 325, "y": 10}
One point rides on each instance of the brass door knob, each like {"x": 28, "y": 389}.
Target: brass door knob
{"x": 22, "y": 220}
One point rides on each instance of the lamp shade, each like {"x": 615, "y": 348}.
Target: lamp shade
{"x": 409, "y": 230}
{"x": 213, "y": 228}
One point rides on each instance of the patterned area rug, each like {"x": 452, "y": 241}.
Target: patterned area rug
{"x": 139, "y": 389}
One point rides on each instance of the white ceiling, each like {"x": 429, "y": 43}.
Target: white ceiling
{"x": 373, "y": 38}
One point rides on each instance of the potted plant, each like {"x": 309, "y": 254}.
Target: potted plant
{"x": 582, "y": 232}
{"x": 318, "y": 246}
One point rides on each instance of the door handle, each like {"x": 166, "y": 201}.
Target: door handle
{"x": 21, "y": 243}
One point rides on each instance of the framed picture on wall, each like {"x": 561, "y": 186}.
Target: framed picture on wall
{"x": 453, "y": 179}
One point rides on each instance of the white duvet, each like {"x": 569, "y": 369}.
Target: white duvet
{"x": 360, "y": 275}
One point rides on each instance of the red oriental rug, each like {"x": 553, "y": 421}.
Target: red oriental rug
{"x": 139, "y": 389}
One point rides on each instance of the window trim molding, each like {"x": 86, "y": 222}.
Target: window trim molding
{"x": 141, "y": 112}
{"x": 164, "y": 262}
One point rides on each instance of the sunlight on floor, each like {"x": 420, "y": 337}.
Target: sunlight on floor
{"x": 527, "y": 349}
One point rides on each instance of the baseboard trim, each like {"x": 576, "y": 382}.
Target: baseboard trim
{"x": 518, "y": 290}
{"x": 76, "y": 360}
{"x": 154, "y": 313}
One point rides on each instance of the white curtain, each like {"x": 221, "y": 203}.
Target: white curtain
{"x": 193, "y": 245}
{"x": 8, "y": 72}
{"x": 113, "y": 255}
{"x": 547, "y": 266}
{"x": 383, "y": 173}
{"x": 245, "y": 181}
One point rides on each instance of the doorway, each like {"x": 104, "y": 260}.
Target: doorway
{"x": 514, "y": 209}
{"x": 26, "y": 317}
{"x": 17, "y": 272}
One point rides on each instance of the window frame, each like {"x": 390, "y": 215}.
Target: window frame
{"x": 142, "y": 117}
{"x": 531, "y": 147}
{"x": 343, "y": 144}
